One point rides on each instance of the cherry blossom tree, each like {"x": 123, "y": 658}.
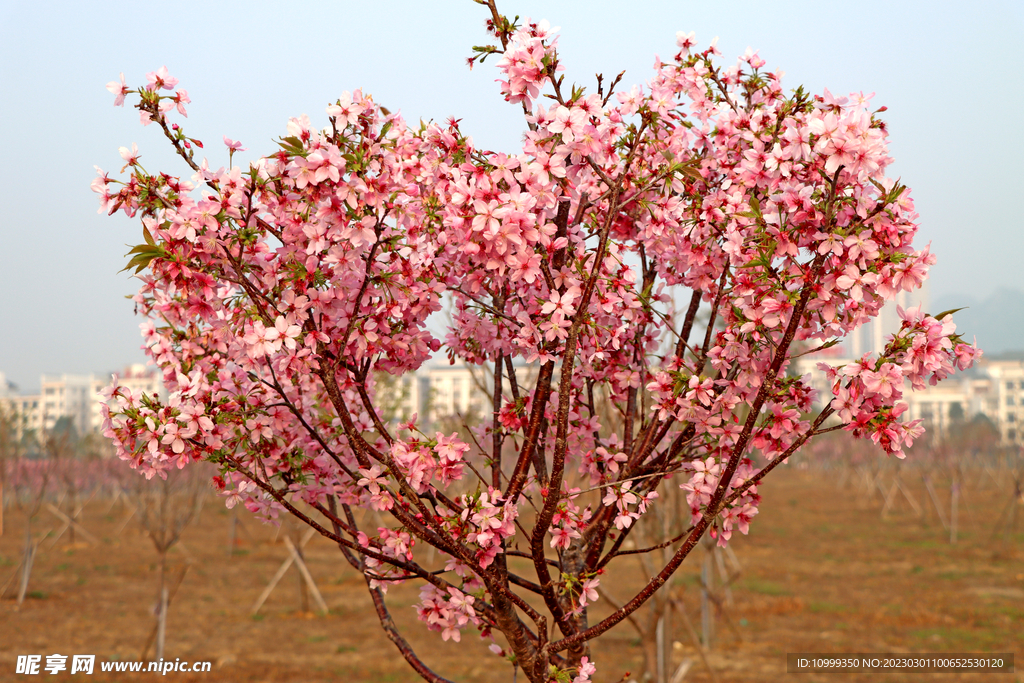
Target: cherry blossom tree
{"x": 276, "y": 294}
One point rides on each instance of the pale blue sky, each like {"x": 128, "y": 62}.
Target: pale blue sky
{"x": 950, "y": 74}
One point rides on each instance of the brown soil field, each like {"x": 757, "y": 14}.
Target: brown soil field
{"x": 821, "y": 571}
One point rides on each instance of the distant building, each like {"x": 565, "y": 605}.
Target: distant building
{"x": 442, "y": 392}
{"x": 25, "y": 413}
{"x": 136, "y": 377}
{"x": 1004, "y": 402}
{"x": 76, "y": 397}
{"x": 993, "y": 388}
{"x": 70, "y": 396}
{"x": 871, "y": 336}
{"x": 807, "y": 366}
{"x": 457, "y": 391}
{"x": 939, "y": 406}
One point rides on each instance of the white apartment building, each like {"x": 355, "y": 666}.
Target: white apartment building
{"x": 76, "y": 397}
{"x": 25, "y": 412}
{"x": 70, "y": 396}
{"x": 1004, "y": 403}
{"x": 438, "y": 392}
{"x": 994, "y": 388}
{"x": 939, "y": 406}
{"x": 457, "y": 390}
{"x": 137, "y": 377}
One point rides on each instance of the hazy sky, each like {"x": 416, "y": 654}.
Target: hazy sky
{"x": 950, "y": 74}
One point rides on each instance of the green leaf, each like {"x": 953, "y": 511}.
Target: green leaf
{"x": 951, "y": 311}
{"x": 292, "y": 145}
{"x": 144, "y": 253}
{"x": 755, "y": 205}
{"x": 690, "y": 169}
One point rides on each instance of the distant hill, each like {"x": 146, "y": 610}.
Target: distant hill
{"x": 997, "y": 322}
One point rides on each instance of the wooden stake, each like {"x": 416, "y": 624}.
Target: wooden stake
{"x": 116, "y": 497}
{"x": 889, "y": 498}
{"x": 232, "y": 534}
{"x": 10, "y": 579}
{"x": 707, "y": 617}
{"x": 26, "y": 565}
{"x": 170, "y": 596}
{"x": 69, "y": 522}
{"x": 727, "y": 579}
{"x": 279, "y": 575}
{"x": 304, "y": 570}
{"x": 161, "y": 623}
{"x": 681, "y": 671}
{"x": 125, "y": 522}
{"x": 271, "y": 586}
{"x": 910, "y": 499}
{"x": 659, "y": 645}
{"x": 681, "y": 609}
{"x": 935, "y": 502}
{"x": 954, "y": 495}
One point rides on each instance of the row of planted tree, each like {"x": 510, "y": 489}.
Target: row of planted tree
{"x": 52, "y": 485}
{"x": 50, "y": 479}
{"x": 939, "y": 479}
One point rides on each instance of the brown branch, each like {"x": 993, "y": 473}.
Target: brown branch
{"x": 691, "y": 315}
{"x": 496, "y": 433}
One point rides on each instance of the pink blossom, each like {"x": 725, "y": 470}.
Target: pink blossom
{"x": 585, "y": 671}
{"x": 130, "y": 156}
{"x": 119, "y": 90}
{"x": 233, "y": 145}
{"x": 160, "y": 79}
{"x": 180, "y": 100}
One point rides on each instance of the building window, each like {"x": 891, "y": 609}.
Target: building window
{"x": 1011, "y": 435}
{"x": 1011, "y": 417}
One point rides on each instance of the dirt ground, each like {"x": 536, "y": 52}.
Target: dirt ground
{"x": 821, "y": 571}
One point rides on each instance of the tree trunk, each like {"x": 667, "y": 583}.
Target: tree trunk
{"x": 161, "y": 624}
{"x": 26, "y": 566}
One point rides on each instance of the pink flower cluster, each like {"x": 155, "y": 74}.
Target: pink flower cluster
{"x": 487, "y": 522}
{"x": 701, "y": 487}
{"x": 623, "y": 498}
{"x": 423, "y": 465}
{"x": 868, "y": 392}
{"x": 448, "y": 613}
{"x": 528, "y": 62}
{"x": 568, "y": 520}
